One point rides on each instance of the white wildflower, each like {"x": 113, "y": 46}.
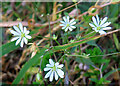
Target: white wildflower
{"x": 99, "y": 25}
{"x": 54, "y": 70}
{"x": 67, "y": 24}
{"x": 20, "y": 34}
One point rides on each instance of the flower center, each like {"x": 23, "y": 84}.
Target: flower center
{"x": 22, "y": 35}
{"x": 54, "y": 68}
{"x": 67, "y": 25}
{"x": 98, "y": 28}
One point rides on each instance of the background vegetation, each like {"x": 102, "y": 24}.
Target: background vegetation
{"x": 89, "y": 58}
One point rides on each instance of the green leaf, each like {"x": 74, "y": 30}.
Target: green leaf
{"x": 27, "y": 66}
{"x": 116, "y": 42}
{"x": 8, "y": 47}
{"x": 111, "y": 72}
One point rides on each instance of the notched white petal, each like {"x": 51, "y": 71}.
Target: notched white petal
{"x": 21, "y": 26}
{"x": 72, "y": 26}
{"x": 22, "y": 42}
{"x": 25, "y": 40}
{"x": 56, "y": 64}
{"x": 66, "y": 29}
{"x": 102, "y": 32}
{"x": 64, "y": 19}
{"x": 56, "y": 76}
{"x": 28, "y": 36}
{"x": 46, "y": 69}
{"x": 51, "y": 77}
{"x": 103, "y": 21}
{"x": 14, "y": 32}
{"x": 48, "y": 74}
{"x": 60, "y": 73}
{"x": 51, "y": 62}
{"x": 91, "y": 25}
{"x": 60, "y": 66}
{"x": 106, "y": 24}
{"x": 94, "y": 21}
{"x": 97, "y": 19}
{"x": 73, "y": 23}
{"x": 62, "y": 25}
{"x": 25, "y": 29}
{"x": 49, "y": 65}
{"x": 62, "y": 22}
{"x": 107, "y": 28}
{"x": 15, "y": 38}
{"x": 72, "y": 20}
{"x": 18, "y": 41}
{"x": 17, "y": 29}
{"x": 67, "y": 18}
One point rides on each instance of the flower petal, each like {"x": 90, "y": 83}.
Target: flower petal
{"x": 46, "y": 69}
{"x": 25, "y": 29}
{"x": 72, "y": 20}
{"x": 97, "y": 19}
{"x": 28, "y": 36}
{"x": 102, "y": 32}
{"x": 66, "y": 29}
{"x": 49, "y": 65}
{"x": 18, "y": 41}
{"x": 51, "y": 77}
{"x": 91, "y": 25}
{"x": 94, "y": 21}
{"x": 103, "y": 21}
{"x": 51, "y": 62}
{"x": 106, "y": 24}
{"x": 68, "y": 18}
{"x": 60, "y": 73}
{"x": 17, "y": 29}
{"x": 72, "y": 23}
{"x": 14, "y": 32}
{"x": 48, "y": 74}
{"x": 95, "y": 29}
{"x": 56, "y": 64}
{"x": 107, "y": 28}
{"x": 27, "y": 32}
{"x": 21, "y": 44}
{"x": 25, "y": 40}
{"x": 60, "y": 66}
{"x": 72, "y": 26}
{"x": 56, "y": 76}
{"x": 62, "y": 22}
{"x": 64, "y": 18}
{"x": 15, "y": 38}
{"x": 21, "y": 27}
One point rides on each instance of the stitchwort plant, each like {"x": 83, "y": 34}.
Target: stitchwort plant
{"x": 99, "y": 25}
{"x": 20, "y": 34}
{"x": 68, "y": 24}
{"x": 54, "y": 70}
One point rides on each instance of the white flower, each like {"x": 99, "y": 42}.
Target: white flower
{"x": 54, "y": 70}
{"x": 68, "y": 24}
{"x": 99, "y": 25}
{"x": 20, "y": 34}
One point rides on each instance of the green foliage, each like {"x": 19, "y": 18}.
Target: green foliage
{"x": 116, "y": 42}
{"x": 8, "y": 47}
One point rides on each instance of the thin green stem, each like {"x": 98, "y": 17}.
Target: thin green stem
{"x": 51, "y": 37}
